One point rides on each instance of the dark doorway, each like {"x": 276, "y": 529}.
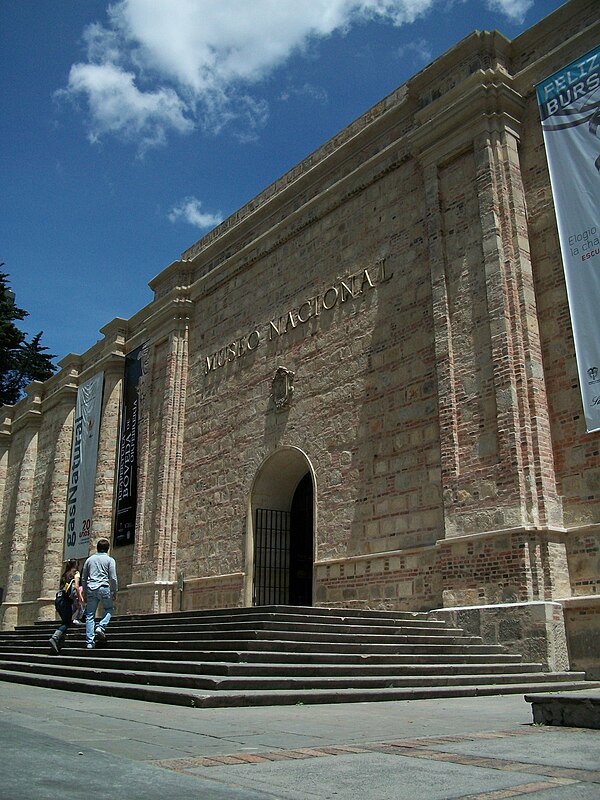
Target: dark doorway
{"x": 301, "y": 544}
{"x": 283, "y": 551}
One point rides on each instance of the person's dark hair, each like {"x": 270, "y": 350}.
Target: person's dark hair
{"x": 102, "y": 545}
{"x": 69, "y": 570}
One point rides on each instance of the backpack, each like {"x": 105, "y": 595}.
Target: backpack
{"x": 65, "y": 595}
{"x": 62, "y": 603}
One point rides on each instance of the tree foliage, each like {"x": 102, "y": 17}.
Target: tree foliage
{"x": 21, "y": 360}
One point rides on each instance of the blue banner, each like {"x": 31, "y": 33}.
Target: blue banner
{"x": 569, "y": 102}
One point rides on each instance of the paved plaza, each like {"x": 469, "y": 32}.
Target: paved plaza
{"x": 58, "y": 743}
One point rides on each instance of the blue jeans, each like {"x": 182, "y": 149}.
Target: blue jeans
{"x": 95, "y": 597}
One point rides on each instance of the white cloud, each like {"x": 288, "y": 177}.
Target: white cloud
{"x": 316, "y": 93}
{"x": 513, "y": 9}
{"x": 163, "y": 65}
{"x": 419, "y": 50}
{"x": 118, "y": 106}
{"x": 190, "y": 210}
{"x": 172, "y": 65}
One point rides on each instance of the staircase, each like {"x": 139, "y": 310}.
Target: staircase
{"x": 275, "y": 655}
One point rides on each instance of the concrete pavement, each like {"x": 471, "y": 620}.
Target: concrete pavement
{"x": 58, "y": 743}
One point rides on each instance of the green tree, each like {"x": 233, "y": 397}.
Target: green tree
{"x": 21, "y": 361}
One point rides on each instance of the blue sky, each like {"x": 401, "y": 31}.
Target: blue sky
{"x": 129, "y": 129}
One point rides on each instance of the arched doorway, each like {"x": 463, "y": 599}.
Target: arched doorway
{"x": 282, "y": 526}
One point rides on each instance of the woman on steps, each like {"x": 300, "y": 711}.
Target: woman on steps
{"x": 66, "y": 595}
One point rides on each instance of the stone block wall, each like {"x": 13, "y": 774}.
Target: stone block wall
{"x": 406, "y": 581}
{"x": 534, "y": 630}
{"x": 222, "y": 591}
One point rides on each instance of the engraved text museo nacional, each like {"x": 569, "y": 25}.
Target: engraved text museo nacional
{"x": 348, "y": 288}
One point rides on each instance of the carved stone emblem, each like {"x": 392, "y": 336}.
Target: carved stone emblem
{"x": 282, "y": 388}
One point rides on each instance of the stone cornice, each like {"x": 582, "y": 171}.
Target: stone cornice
{"x": 485, "y": 101}
{"x": 485, "y": 97}
{"x": 28, "y": 413}
{"x": 370, "y": 171}
{"x": 546, "y": 64}
{"x": 174, "y": 277}
{"x": 6, "y": 417}
{"x": 305, "y": 173}
{"x": 544, "y": 44}
{"x": 171, "y": 314}
{"x": 30, "y": 418}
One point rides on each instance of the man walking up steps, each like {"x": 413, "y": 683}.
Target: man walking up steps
{"x": 100, "y": 585}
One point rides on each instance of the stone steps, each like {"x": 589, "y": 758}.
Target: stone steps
{"x": 186, "y": 680}
{"x": 279, "y": 655}
{"x": 220, "y": 699}
{"x": 108, "y": 661}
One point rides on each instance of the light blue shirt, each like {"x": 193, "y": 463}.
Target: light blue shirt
{"x": 100, "y": 570}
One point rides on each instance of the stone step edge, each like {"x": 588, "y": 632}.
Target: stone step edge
{"x": 278, "y": 657}
{"x": 344, "y": 616}
{"x": 277, "y": 646}
{"x": 282, "y": 683}
{"x": 195, "y": 617}
{"x": 274, "y": 636}
{"x": 258, "y": 625}
{"x": 299, "y": 697}
{"x": 109, "y": 660}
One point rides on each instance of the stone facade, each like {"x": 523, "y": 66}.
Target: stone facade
{"x": 389, "y": 318}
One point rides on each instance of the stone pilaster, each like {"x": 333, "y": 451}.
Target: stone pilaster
{"x": 28, "y": 429}
{"x": 55, "y": 531}
{"x": 162, "y": 421}
{"x": 5, "y": 441}
{"x": 172, "y": 439}
{"x": 523, "y": 420}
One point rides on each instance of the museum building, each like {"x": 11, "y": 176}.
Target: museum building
{"x": 359, "y": 390}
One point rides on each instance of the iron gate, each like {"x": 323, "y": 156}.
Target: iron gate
{"x": 271, "y": 557}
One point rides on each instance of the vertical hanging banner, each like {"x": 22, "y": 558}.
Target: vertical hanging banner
{"x": 569, "y": 104}
{"x": 82, "y": 474}
{"x": 126, "y": 506}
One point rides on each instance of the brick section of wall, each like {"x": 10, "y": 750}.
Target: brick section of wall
{"x": 583, "y": 550}
{"x": 501, "y": 568}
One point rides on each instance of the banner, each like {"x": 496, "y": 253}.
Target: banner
{"x": 126, "y": 507}
{"x": 82, "y": 473}
{"x": 569, "y": 104}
